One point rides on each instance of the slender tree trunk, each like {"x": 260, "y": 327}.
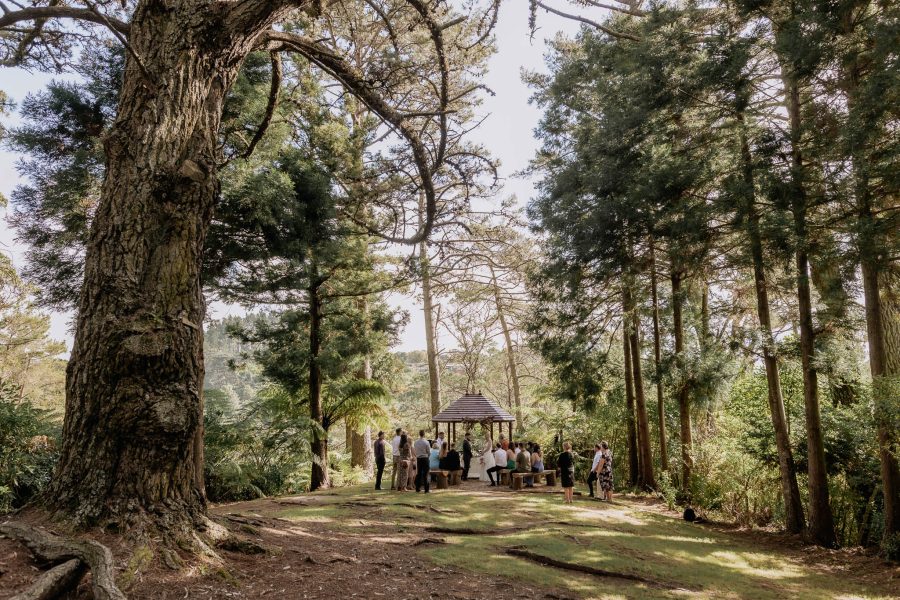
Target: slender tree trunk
{"x": 821, "y": 521}
{"x": 705, "y": 348}
{"x": 657, "y": 358}
{"x": 646, "y": 478}
{"x": 790, "y": 490}
{"x": 684, "y": 407}
{"x": 633, "y": 467}
{"x": 131, "y": 445}
{"x": 361, "y": 450}
{"x": 510, "y": 355}
{"x": 319, "y": 478}
{"x": 431, "y": 352}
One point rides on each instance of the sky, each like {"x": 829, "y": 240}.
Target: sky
{"x": 508, "y": 133}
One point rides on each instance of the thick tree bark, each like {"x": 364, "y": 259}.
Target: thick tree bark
{"x": 657, "y": 358}
{"x": 130, "y": 450}
{"x": 431, "y": 352}
{"x": 646, "y": 478}
{"x": 881, "y": 291}
{"x": 633, "y": 467}
{"x": 887, "y": 398}
{"x": 790, "y": 490}
{"x": 821, "y": 521}
{"x": 510, "y": 355}
{"x": 684, "y": 405}
{"x": 319, "y": 477}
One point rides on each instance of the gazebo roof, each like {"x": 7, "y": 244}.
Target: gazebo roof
{"x": 473, "y": 408}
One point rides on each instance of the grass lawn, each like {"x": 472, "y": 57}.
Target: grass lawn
{"x": 629, "y": 537}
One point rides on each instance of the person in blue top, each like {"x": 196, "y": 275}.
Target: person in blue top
{"x": 434, "y": 457}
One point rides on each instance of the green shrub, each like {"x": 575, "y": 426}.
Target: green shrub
{"x": 28, "y": 455}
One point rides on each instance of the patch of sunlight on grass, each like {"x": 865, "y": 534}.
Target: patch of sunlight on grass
{"x": 681, "y": 538}
{"x": 759, "y": 565}
{"x": 614, "y": 515}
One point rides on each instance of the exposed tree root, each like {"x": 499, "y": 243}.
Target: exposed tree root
{"x": 471, "y": 531}
{"x": 429, "y": 540}
{"x": 428, "y": 507}
{"x": 54, "y": 549}
{"x": 244, "y": 546}
{"x": 55, "y": 582}
{"x": 559, "y": 564}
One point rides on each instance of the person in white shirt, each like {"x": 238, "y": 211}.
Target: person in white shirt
{"x": 395, "y": 456}
{"x": 422, "y": 450}
{"x": 598, "y": 453}
{"x": 499, "y": 464}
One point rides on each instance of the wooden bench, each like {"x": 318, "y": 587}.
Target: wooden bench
{"x": 504, "y": 477}
{"x": 456, "y": 477}
{"x": 441, "y": 477}
{"x": 519, "y": 478}
{"x": 550, "y": 476}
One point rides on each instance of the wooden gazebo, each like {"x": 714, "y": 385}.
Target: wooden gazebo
{"x": 473, "y": 408}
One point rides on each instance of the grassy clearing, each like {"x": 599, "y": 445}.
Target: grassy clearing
{"x": 689, "y": 561}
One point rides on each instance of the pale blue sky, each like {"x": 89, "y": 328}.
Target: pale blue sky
{"x": 507, "y": 133}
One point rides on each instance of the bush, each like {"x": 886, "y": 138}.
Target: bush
{"x": 28, "y": 454}
{"x": 252, "y": 451}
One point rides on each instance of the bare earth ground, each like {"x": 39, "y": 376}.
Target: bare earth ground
{"x": 358, "y": 543}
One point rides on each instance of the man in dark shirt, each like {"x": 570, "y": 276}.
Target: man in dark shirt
{"x": 379, "y": 459}
{"x": 467, "y": 456}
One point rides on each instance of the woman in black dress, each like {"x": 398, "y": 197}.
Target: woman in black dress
{"x": 566, "y": 463}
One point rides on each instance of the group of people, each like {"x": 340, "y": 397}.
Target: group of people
{"x": 414, "y": 460}
{"x": 601, "y": 471}
{"x": 521, "y": 457}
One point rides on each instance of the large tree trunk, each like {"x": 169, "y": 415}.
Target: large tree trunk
{"x": 510, "y": 356}
{"x": 821, "y": 521}
{"x": 657, "y": 358}
{"x": 633, "y": 467}
{"x": 684, "y": 405}
{"x": 887, "y": 398}
{"x": 790, "y": 490}
{"x": 646, "y": 479}
{"x": 130, "y": 446}
{"x": 431, "y": 352}
{"x": 881, "y": 291}
{"x": 319, "y": 476}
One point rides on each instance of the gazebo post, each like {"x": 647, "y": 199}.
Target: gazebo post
{"x": 510, "y": 430}
{"x": 453, "y": 437}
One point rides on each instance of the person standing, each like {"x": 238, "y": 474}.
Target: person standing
{"x": 595, "y": 472}
{"x": 423, "y": 450}
{"x": 467, "y": 456}
{"x": 404, "y": 454}
{"x": 379, "y": 459}
{"x": 395, "y": 456}
{"x": 566, "y": 463}
{"x": 605, "y": 472}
